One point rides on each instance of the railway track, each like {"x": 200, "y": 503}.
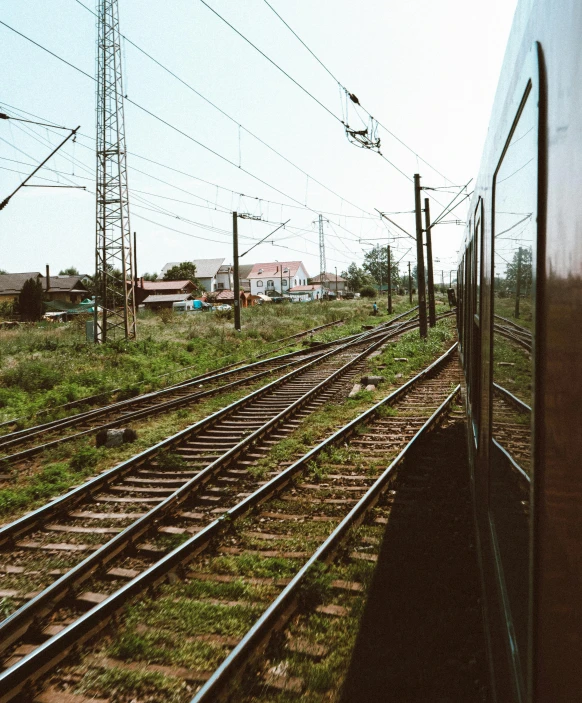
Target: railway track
{"x": 511, "y": 429}
{"x": 514, "y": 332}
{"x": 48, "y": 627}
{"x": 37, "y": 439}
{"x": 9, "y": 426}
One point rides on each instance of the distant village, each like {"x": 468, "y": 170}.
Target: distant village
{"x": 199, "y": 284}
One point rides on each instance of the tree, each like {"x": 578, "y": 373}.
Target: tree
{"x": 376, "y": 264}
{"x": 71, "y": 271}
{"x": 186, "y": 271}
{"x": 30, "y": 304}
{"x": 525, "y": 279}
{"x": 3, "y": 271}
{"x": 356, "y": 278}
{"x": 368, "y": 292}
{"x": 150, "y": 277}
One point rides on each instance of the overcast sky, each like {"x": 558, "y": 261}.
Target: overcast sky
{"x": 426, "y": 70}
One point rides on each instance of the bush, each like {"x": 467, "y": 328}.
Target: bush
{"x": 368, "y": 292}
{"x": 33, "y": 375}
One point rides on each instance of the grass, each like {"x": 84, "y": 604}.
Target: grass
{"x": 43, "y": 366}
{"x": 517, "y": 378}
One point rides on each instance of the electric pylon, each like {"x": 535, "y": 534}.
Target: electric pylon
{"x": 115, "y": 301}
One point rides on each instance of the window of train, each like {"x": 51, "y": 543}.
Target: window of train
{"x": 515, "y": 232}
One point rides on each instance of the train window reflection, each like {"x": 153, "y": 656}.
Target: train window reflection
{"x": 515, "y": 230}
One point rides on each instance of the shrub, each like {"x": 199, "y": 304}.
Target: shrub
{"x": 368, "y": 292}
{"x": 33, "y": 375}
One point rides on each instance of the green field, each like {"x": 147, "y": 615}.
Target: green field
{"x": 46, "y": 365}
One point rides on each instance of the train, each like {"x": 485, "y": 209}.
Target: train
{"x": 519, "y": 290}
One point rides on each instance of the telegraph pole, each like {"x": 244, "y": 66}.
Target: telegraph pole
{"x": 115, "y": 295}
{"x": 431, "y": 304}
{"x": 420, "y": 259}
{"x": 409, "y": 284}
{"x": 518, "y": 283}
{"x": 389, "y": 283}
{"x": 236, "y": 290}
{"x": 321, "y": 250}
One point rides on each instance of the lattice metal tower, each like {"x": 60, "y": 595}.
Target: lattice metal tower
{"x": 321, "y": 249}
{"x": 115, "y": 300}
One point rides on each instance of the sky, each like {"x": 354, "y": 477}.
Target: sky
{"x": 427, "y": 71}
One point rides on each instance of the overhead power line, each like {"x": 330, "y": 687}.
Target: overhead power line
{"x": 223, "y": 112}
{"x": 174, "y": 128}
{"x": 357, "y": 102}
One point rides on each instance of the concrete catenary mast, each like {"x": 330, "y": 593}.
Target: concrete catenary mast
{"x": 115, "y": 300}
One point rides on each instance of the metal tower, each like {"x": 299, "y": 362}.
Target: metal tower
{"x": 321, "y": 249}
{"x": 115, "y": 301}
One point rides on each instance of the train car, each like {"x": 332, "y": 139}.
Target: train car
{"x": 520, "y": 329}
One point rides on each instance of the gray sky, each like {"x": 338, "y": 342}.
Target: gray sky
{"x": 426, "y": 70}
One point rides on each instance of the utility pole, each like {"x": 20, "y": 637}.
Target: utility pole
{"x": 389, "y": 283}
{"x": 409, "y": 284}
{"x": 518, "y": 283}
{"x": 336, "y": 282}
{"x": 236, "y": 290}
{"x": 135, "y": 257}
{"x": 443, "y": 280}
{"x": 321, "y": 250}
{"x": 420, "y": 259}
{"x": 115, "y": 299}
{"x": 431, "y": 304}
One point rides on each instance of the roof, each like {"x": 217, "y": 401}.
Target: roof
{"x": 73, "y": 284}
{"x": 225, "y": 268}
{"x": 244, "y": 270}
{"x": 175, "y": 298}
{"x": 165, "y": 285}
{"x": 205, "y": 268}
{"x": 303, "y": 289}
{"x": 270, "y": 270}
{"x": 326, "y": 278}
{"x": 13, "y": 282}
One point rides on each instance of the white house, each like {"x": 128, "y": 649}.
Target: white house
{"x": 303, "y": 294}
{"x": 277, "y": 277}
{"x": 212, "y": 273}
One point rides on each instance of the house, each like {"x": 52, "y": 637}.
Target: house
{"x": 212, "y": 274}
{"x": 277, "y": 277}
{"x": 331, "y": 281}
{"x": 64, "y": 289}
{"x": 145, "y": 289}
{"x": 243, "y": 276}
{"x": 11, "y": 284}
{"x": 227, "y": 296}
{"x": 305, "y": 293}
{"x": 158, "y": 302}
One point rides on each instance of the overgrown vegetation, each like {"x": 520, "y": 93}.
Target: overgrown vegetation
{"x": 43, "y": 365}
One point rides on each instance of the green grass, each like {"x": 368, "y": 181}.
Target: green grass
{"x": 43, "y": 366}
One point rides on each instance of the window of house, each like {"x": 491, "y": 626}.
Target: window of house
{"x": 259, "y": 284}
{"x": 284, "y": 281}
{"x": 295, "y": 282}
{"x": 270, "y": 284}
{"x": 220, "y": 286}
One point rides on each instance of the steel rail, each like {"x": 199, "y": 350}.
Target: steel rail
{"x": 47, "y": 655}
{"x": 513, "y": 337}
{"x": 521, "y": 328}
{"x": 521, "y": 473}
{"x": 174, "y": 403}
{"x": 283, "y": 607}
{"x": 34, "y": 519}
{"x": 87, "y": 399}
{"x": 24, "y": 435}
{"x": 5, "y": 440}
{"x": 508, "y": 395}
{"x": 74, "y": 419}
